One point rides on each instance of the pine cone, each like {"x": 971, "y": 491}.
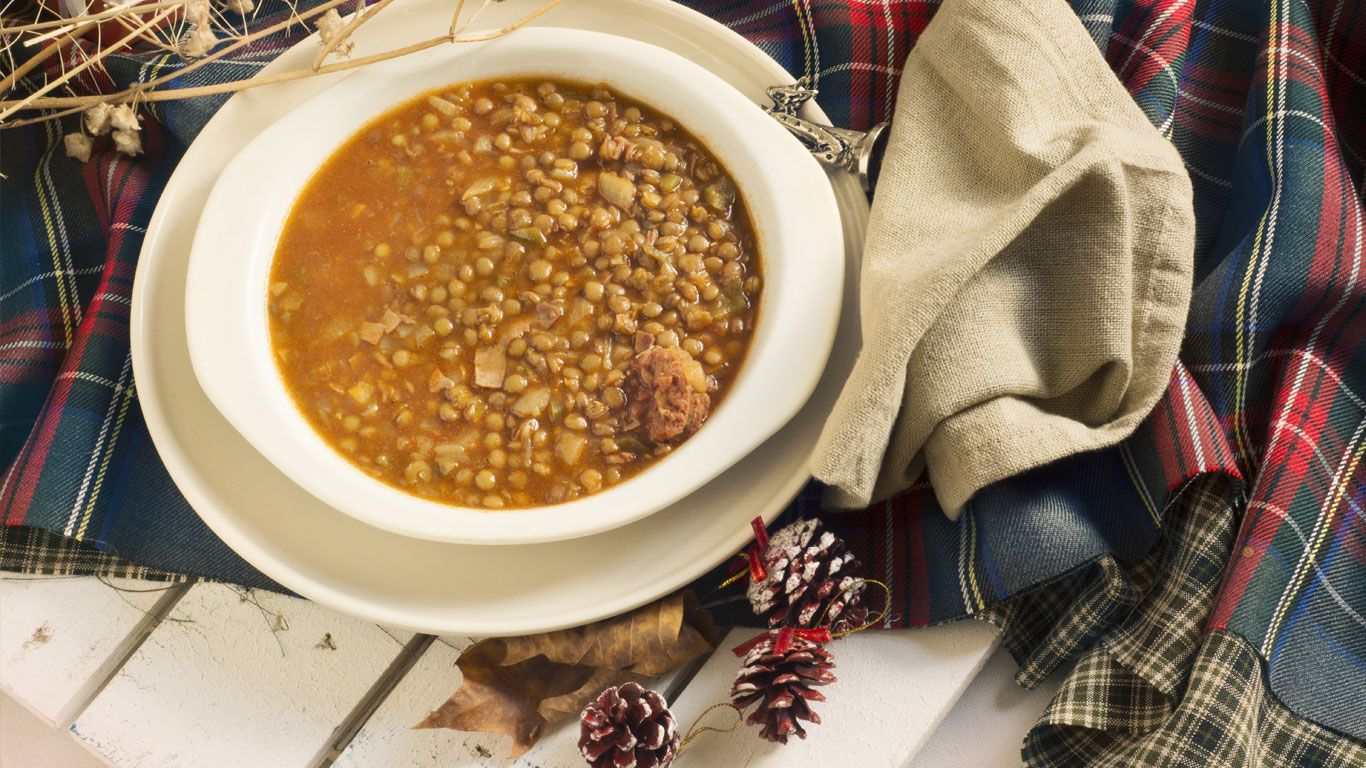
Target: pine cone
{"x": 782, "y": 685}
{"x": 628, "y": 727}
{"x": 807, "y": 568}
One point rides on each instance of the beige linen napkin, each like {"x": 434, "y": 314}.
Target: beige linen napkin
{"x": 1028, "y": 263}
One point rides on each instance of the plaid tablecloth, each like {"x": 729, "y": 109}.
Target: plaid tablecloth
{"x": 1216, "y": 621}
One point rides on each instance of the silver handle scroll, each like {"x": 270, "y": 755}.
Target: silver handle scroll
{"x": 837, "y": 149}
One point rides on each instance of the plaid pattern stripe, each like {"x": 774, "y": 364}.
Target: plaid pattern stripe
{"x": 1227, "y": 716}
{"x": 1157, "y": 602}
{"x": 1264, "y": 100}
{"x": 1150, "y": 687}
{"x": 34, "y": 550}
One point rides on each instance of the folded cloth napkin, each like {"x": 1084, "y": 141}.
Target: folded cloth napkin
{"x": 1028, "y": 263}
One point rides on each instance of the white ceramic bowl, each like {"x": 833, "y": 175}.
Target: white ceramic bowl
{"x": 787, "y": 193}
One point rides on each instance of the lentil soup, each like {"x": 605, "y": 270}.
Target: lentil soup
{"x": 513, "y": 293}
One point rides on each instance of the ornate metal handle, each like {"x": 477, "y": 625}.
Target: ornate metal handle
{"x": 837, "y": 149}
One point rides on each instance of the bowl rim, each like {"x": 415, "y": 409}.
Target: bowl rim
{"x": 239, "y": 374}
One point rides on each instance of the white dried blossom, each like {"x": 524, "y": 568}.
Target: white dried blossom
{"x": 197, "y": 12}
{"x": 124, "y": 118}
{"x": 197, "y": 42}
{"x": 97, "y": 119}
{"x": 240, "y": 6}
{"x": 78, "y": 145}
{"x": 330, "y": 25}
{"x": 128, "y": 142}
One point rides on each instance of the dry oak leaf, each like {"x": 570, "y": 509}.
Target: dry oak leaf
{"x": 518, "y": 685}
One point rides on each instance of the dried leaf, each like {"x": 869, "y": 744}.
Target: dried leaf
{"x": 494, "y": 698}
{"x": 518, "y": 685}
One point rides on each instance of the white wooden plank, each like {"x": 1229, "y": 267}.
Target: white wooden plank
{"x": 55, "y": 633}
{"x": 235, "y": 679}
{"x": 27, "y": 740}
{"x": 988, "y": 724}
{"x": 893, "y": 688}
{"x": 388, "y": 739}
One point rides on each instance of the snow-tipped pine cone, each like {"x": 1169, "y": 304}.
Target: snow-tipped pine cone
{"x": 809, "y": 568}
{"x": 628, "y": 725}
{"x": 782, "y": 685}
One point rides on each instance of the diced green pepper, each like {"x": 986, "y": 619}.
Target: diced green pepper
{"x": 720, "y": 195}
{"x": 530, "y": 235}
{"x": 732, "y": 300}
{"x": 632, "y": 444}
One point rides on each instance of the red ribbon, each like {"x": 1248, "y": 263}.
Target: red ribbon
{"x": 757, "y": 570}
{"x": 782, "y": 639}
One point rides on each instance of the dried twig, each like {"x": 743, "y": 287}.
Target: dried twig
{"x": 358, "y": 18}
{"x": 122, "y": 42}
{"x": 38, "y": 58}
{"x": 455, "y": 17}
{"x": 106, "y": 14}
{"x": 141, "y": 26}
{"x": 145, "y": 90}
{"x": 148, "y": 36}
{"x": 522, "y": 22}
{"x": 46, "y": 117}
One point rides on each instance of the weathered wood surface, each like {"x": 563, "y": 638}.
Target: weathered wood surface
{"x": 211, "y": 675}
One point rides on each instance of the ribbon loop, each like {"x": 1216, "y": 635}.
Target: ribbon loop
{"x": 782, "y": 638}
{"x": 760, "y": 532}
{"x": 757, "y": 570}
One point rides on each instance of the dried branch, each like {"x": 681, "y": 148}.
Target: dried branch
{"x": 339, "y": 40}
{"x": 38, "y": 58}
{"x": 49, "y": 116}
{"x": 497, "y": 33}
{"x": 146, "y": 92}
{"x": 148, "y": 36}
{"x": 455, "y": 17}
{"x": 195, "y": 35}
{"x": 122, "y": 42}
{"x": 107, "y": 14}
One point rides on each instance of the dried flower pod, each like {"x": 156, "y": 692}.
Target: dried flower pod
{"x": 329, "y": 26}
{"x": 197, "y": 13}
{"x": 198, "y": 42}
{"x": 97, "y": 119}
{"x": 628, "y": 726}
{"x": 124, "y": 118}
{"x": 128, "y": 142}
{"x": 78, "y": 145}
{"x": 240, "y": 6}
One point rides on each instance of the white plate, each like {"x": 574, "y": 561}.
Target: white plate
{"x": 786, "y": 195}
{"x": 422, "y": 585}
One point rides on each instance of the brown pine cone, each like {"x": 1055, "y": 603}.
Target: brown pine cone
{"x": 628, "y": 726}
{"x": 782, "y": 684}
{"x": 808, "y": 568}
